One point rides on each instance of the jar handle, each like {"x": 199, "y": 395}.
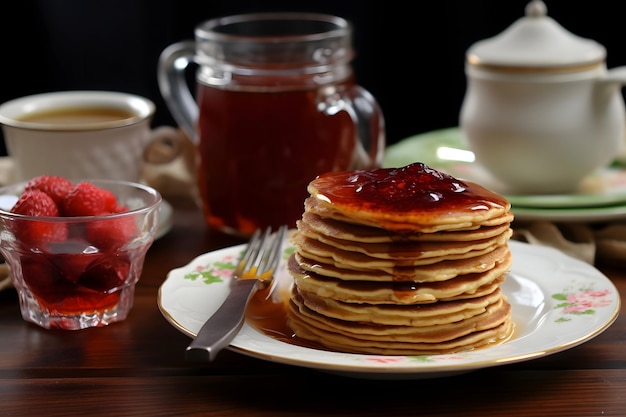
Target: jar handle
{"x": 369, "y": 124}
{"x": 173, "y": 63}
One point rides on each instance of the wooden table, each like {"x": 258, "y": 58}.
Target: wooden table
{"x": 137, "y": 367}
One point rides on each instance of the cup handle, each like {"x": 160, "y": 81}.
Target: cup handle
{"x": 169, "y": 162}
{"x": 173, "y": 85}
{"x": 368, "y": 121}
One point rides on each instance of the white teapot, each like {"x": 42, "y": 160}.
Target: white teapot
{"x": 541, "y": 111}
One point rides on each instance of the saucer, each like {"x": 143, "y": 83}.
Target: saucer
{"x": 601, "y": 196}
{"x": 165, "y": 220}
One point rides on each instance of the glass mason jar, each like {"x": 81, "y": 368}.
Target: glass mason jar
{"x": 275, "y": 105}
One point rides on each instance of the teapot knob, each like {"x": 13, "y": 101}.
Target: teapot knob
{"x": 536, "y": 8}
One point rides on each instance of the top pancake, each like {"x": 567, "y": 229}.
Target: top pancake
{"x": 410, "y": 199}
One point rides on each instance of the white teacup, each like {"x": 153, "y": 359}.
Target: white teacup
{"x": 79, "y": 134}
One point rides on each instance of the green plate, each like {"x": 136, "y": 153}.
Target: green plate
{"x": 602, "y": 196}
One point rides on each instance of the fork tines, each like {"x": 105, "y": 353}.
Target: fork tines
{"x": 263, "y": 252}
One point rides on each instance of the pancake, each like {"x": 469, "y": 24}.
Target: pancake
{"x": 405, "y": 292}
{"x": 428, "y": 255}
{"x": 494, "y": 315}
{"x": 438, "y": 271}
{"x": 400, "y": 253}
{"x": 400, "y": 261}
{"x": 415, "y": 198}
{"x": 403, "y": 228}
{"x": 367, "y": 234}
{"x": 418, "y": 315}
{"x": 346, "y": 342}
{"x": 343, "y": 343}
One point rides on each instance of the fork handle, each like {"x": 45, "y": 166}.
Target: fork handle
{"x": 224, "y": 324}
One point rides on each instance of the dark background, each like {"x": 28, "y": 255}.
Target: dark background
{"x": 410, "y": 55}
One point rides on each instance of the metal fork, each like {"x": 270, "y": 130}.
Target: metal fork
{"x": 254, "y": 271}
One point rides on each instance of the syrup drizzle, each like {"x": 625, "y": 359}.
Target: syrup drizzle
{"x": 270, "y": 318}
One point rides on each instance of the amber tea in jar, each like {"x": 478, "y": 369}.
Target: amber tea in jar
{"x": 276, "y": 105}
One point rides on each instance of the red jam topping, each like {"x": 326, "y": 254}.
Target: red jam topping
{"x": 413, "y": 188}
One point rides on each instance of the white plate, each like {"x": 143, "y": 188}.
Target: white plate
{"x": 558, "y": 302}
{"x": 601, "y": 196}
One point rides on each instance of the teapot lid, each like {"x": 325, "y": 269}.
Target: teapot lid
{"x": 536, "y": 41}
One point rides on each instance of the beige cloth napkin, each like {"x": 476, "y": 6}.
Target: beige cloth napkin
{"x": 169, "y": 166}
{"x": 595, "y": 244}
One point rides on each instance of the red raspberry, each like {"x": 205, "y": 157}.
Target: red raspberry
{"x": 106, "y": 276}
{"x": 86, "y": 199}
{"x": 35, "y": 203}
{"x": 43, "y": 280}
{"x": 70, "y": 262}
{"x": 112, "y": 233}
{"x": 34, "y": 233}
{"x": 55, "y": 187}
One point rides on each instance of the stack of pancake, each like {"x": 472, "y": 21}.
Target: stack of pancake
{"x": 402, "y": 261}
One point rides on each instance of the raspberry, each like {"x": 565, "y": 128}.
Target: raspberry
{"x": 70, "y": 261}
{"x": 43, "y": 279}
{"x": 56, "y": 187}
{"x": 111, "y": 233}
{"x": 86, "y": 199}
{"x": 106, "y": 276}
{"x": 36, "y": 203}
{"x": 34, "y": 232}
